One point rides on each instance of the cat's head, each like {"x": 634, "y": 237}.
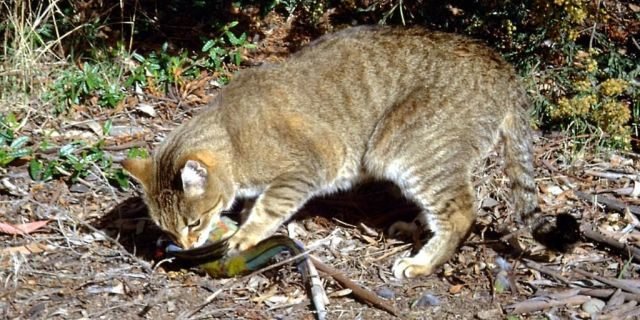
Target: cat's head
{"x": 186, "y": 197}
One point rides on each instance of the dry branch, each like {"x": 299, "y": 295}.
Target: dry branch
{"x": 591, "y": 234}
{"x": 547, "y": 271}
{"x": 361, "y": 293}
{"x": 609, "y": 281}
{"x": 607, "y": 293}
{"x": 613, "y": 204}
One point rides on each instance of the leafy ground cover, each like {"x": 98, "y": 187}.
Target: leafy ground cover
{"x": 83, "y": 93}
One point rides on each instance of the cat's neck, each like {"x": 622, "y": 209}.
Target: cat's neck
{"x": 203, "y": 133}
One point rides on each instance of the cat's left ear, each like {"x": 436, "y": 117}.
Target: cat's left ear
{"x": 194, "y": 178}
{"x": 140, "y": 169}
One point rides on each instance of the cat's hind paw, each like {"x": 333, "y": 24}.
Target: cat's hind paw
{"x": 411, "y": 267}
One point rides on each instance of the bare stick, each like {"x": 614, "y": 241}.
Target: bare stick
{"x": 606, "y": 293}
{"x": 359, "y": 292}
{"x": 612, "y": 282}
{"x": 613, "y": 204}
{"x": 548, "y": 271}
{"x": 590, "y": 233}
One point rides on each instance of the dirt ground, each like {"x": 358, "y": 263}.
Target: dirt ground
{"x": 95, "y": 258}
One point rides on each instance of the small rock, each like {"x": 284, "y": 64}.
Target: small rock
{"x": 448, "y": 270}
{"x": 488, "y": 203}
{"x": 386, "y": 293}
{"x": 79, "y": 188}
{"x": 171, "y": 306}
{"x": 593, "y": 306}
{"x": 489, "y": 314}
{"x": 555, "y": 190}
{"x": 426, "y": 300}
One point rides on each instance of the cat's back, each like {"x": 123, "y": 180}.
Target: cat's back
{"x": 388, "y": 60}
{"x": 371, "y": 67}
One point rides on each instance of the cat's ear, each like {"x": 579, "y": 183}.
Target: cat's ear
{"x": 139, "y": 169}
{"x": 194, "y": 178}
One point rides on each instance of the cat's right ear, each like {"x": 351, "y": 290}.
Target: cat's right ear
{"x": 139, "y": 169}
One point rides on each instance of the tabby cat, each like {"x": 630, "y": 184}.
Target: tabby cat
{"x": 414, "y": 107}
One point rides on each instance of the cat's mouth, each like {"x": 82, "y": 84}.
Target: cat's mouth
{"x": 210, "y": 251}
{"x": 213, "y": 249}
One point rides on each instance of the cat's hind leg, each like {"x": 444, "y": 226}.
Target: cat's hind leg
{"x": 449, "y": 211}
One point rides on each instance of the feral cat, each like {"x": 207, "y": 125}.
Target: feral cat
{"x": 414, "y": 107}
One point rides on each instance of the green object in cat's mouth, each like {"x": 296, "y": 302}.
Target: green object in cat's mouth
{"x": 213, "y": 258}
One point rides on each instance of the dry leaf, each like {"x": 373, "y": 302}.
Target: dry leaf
{"x": 456, "y": 288}
{"x": 147, "y": 109}
{"x": 21, "y": 229}
{"x": 27, "y": 248}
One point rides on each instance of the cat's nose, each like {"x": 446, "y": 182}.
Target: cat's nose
{"x": 184, "y": 242}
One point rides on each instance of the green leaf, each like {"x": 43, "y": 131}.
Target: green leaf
{"x": 19, "y": 153}
{"x": 137, "y": 153}
{"x": 11, "y": 121}
{"x": 208, "y": 45}
{"x": 121, "y": 179}
{"x": 233, "y": 39}
{"x": 18, "y": 143}
{"x": 106, "y": 128}
{"x": 138, "y": 57}
{"x": 231, "y": 25}
{"x": 35, "y": 169}
{"x": 67, "y": 150}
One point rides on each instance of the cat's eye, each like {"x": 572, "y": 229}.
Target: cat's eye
{"x": 195, "y": 224}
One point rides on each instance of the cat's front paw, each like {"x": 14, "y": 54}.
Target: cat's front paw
{"x": 411, "y": 267}
{"x": 241, "y": 241}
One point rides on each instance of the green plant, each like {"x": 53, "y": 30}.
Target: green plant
{"x": 77, "y": 160}
{"x": 94, "y": 84}
{"x": 12, "y": 146}
{"x": 226, "y": 48}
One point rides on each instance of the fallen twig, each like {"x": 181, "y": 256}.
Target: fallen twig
{"x": 589, "y": 232}
{"x": 607, "y": 293}
{"x": 143, "y": 264}
{"x": 625, "y": 311}
{"x": 612, "y": 282}
{"x": 541, "y": 303}
{"x": 610, "y": 175}
{"x": 613, "y": 204}
{"x": 318, "y": 295}
{"x": 124, "y": 146}
{"x": 548, "y": 271}
{"x": 359, "y": 292}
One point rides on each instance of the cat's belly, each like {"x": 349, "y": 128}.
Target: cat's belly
{"x": 349, "y": 174}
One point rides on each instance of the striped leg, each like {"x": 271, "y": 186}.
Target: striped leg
{"x": 449, "y": 218}
{"x": 281, "y": 200}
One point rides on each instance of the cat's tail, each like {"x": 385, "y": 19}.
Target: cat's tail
{"x": 518, "y": 154}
